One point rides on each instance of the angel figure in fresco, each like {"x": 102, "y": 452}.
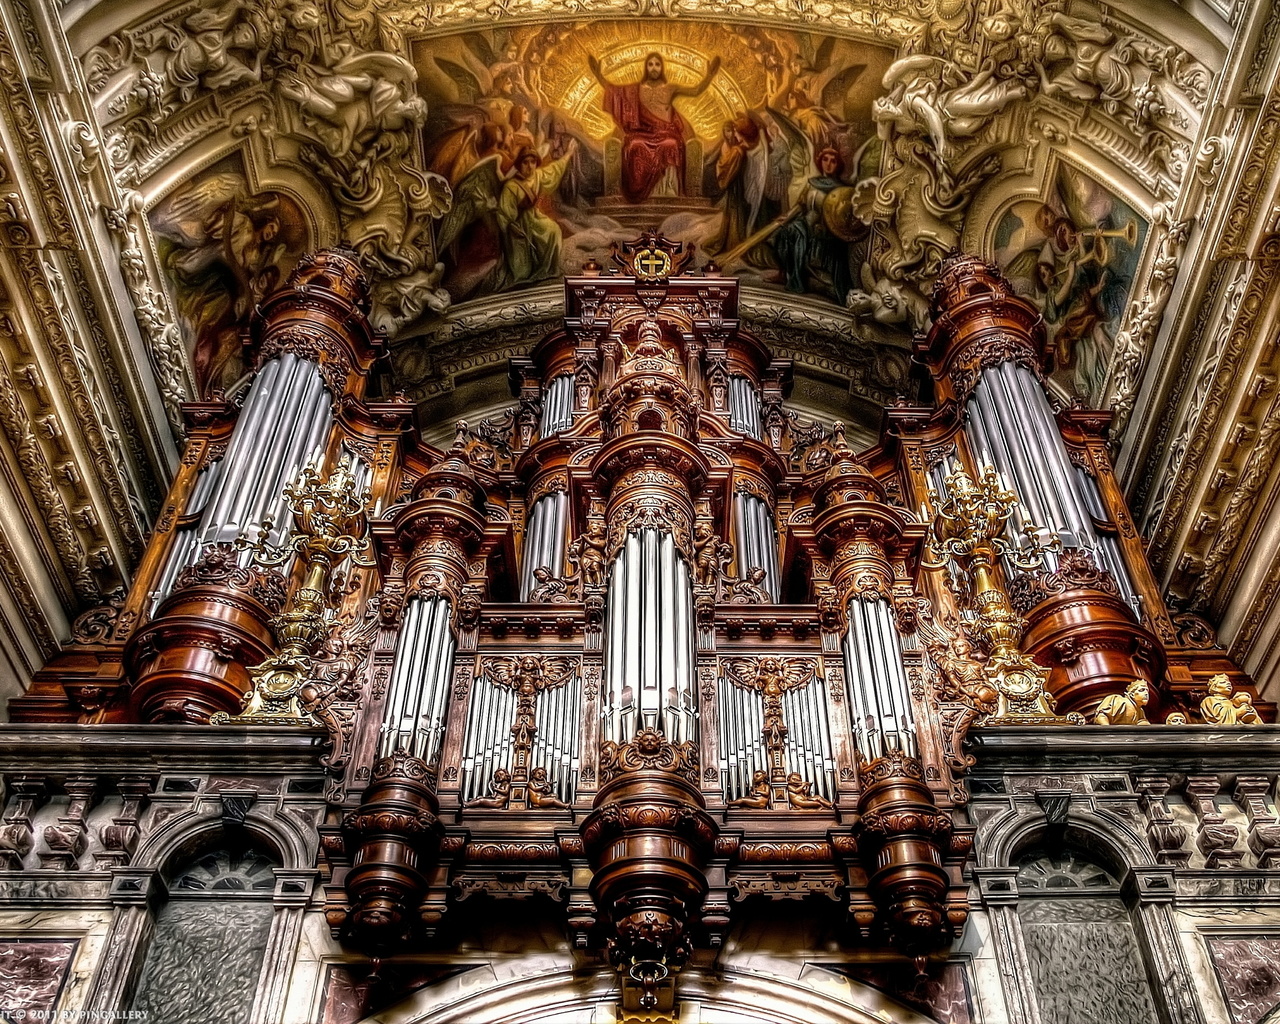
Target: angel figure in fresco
{"x": 511, "y": 210}
{"x": 741, "y": 169}
{"x": 225, "y": 250}
{"x": 787, "y": 198}
{"x": 813, "y": 255}
{"x": 531, "y": 239}
{"x": 653, "y": 132}
{"x": 1074, "y": 255}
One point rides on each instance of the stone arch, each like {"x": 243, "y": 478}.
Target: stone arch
{"x": 205, "y": 951}
{"x": 195, "y": 828}
{"x": 1106, "y": 834}
{"x": 529, "y": 992}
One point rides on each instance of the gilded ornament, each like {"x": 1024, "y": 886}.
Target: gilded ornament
{"x": 967, "y": 537}
{"x": 1125, "y": 708}
{"x": 330, "y": 526}
{"x": 1224, "y": 707}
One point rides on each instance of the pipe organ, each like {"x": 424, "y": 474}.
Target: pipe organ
{"x": 649, "y": 632}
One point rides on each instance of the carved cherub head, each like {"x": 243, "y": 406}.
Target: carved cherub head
{"x": 648, "y": 741}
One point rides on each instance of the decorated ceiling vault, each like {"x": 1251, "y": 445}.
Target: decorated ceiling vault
{"x": 170, "y": 162}
{"x": 721, "y": 511}
{"x": 835, "y": 156}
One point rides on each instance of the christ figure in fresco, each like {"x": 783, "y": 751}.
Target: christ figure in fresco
{"x": 653, "y": 132}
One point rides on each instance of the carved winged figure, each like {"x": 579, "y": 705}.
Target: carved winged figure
{"x": 771, "y": 678}
{"x": 529, "y": 674}
{"x": 960, "y": 669}
{"x": 331, "y": 695}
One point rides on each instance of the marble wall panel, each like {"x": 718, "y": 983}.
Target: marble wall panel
{"x": 1085, "y": 961}
{"x": 204, "y": 961}
{"x": 33, "y": 973}
{"x": 1248, "y": 969}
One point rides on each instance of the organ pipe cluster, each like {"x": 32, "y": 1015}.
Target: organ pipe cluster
{"x": 650, "y": 619}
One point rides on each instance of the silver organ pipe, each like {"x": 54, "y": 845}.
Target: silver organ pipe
{"x": 1012, "y": 426}
{"x": 266, "y": 473}
{"x": 557, "y": 405}
{"x": 186, "y": 543}
{"x": 742, "y": 750}
{"x": 757, "y": 540}
{"x": 266, "y": 393}
{"x": 420, "y": 681}
{"x": 808, "y": 742}
{"x": 1108, "y": 545}
{"x": 555, "y": 744}
{"x": 877, "y": 681}
{"x": 284, "y": 423}
{"x": 308, "y": 444}
{"x": 649, "y": 633}
{"x": 487, "y": 745}
{"x": 744, "y": 407}
{"x": 545, "y": 538}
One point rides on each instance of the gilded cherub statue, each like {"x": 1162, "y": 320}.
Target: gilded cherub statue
{"x": 1223, "y": 707}
{"x": 1125, "y": 708}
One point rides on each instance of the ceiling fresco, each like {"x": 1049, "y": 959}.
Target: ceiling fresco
{"x": 558, "y": 140}
{"x": 224, "y": 248}
{"x": 1074, "y": 254}
{"x": 829, "y": 163}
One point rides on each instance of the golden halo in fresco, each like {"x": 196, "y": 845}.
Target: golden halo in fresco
{"x": 687, "y": 51}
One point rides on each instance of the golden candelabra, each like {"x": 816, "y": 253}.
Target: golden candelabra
{"x": 969, "y": 533}
{"x": 330, "y": 526}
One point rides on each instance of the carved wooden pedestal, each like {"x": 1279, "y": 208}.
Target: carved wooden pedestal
{"x": 649, "y": 840}
{"x": 393, "y": 838}
{"x": 904, "y": 840}
{"x": 193, "y": 658}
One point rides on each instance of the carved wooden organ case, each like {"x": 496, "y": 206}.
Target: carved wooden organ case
{"x": 648, "y": 645}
